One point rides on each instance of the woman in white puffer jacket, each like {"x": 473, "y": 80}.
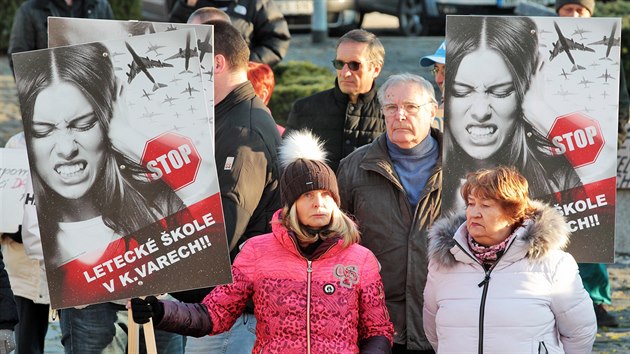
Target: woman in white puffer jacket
{"x": 499, "y": 281}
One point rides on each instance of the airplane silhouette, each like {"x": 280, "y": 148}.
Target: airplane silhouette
{"x": 566, "y": 45}
{"x": 186, "y": 54}
{"x": 595, "y": 64}
{"x": 171, "y": 27}
{"x": 565, "y": 74}
{"x": 609, "y": 42}
{"x": 605, "y": 94}
{"x": 579, "y": 31}
{"x": 169, "y": 100}
{"x": 175, "y": 79}
{"x": 605, "y": 76}
{"x": 146, "y": 94}
{"x": 190, "y": 90}
{"x": 154, "y": 48}
{"x": 144, "y": 64}
{"x": 177, "y": 115}
{"x": 564, "y": 93}
{"x": 148, "y": 114}
{"x": 204, "y": 46}
{"x": 585, "y": 82}
{"x": 191, "y": 109}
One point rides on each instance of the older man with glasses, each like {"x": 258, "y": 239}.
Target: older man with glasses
{"x": 348, "y": 115}
{"x": 393, "y": 188}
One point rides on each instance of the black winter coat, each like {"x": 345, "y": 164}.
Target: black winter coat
{"x": 8, "y": 309}
{"x": 260, "y": 21}
{"x": 30, "y": 24}
{"x": 342, "y": 125}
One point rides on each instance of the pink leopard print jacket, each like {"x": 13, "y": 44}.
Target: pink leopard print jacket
{"x": 324, "y": 307}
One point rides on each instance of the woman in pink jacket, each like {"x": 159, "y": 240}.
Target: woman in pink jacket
{"x": 315, "y": 290}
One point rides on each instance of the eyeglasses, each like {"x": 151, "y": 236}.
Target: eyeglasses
{"x": 409, "y": 108}
{"x": 352, "y": 65}
{"x": 436, "y": 70}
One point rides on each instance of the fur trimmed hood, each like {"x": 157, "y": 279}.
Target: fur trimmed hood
{"x": 548, "y": 232}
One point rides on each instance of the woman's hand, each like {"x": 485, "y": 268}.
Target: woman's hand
{"x": 145, "y": 309}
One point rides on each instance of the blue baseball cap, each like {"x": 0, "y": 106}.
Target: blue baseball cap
{"x": 438, "y": 57}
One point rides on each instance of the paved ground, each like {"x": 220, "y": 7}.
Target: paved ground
{"x": 402, "y": 55}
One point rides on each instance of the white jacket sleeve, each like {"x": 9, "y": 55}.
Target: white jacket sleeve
{"x": 30, "y": 227}
{"x": 573, "y": 308}
{"x": 430, "y": 308}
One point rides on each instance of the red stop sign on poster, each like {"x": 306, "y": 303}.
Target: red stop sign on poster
{"x": 173, "y": 158}
{"x": 578, "y": 137}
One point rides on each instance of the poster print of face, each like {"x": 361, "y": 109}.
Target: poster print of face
{"x": 531, "y": 93}
{"x": 125, "y": 184}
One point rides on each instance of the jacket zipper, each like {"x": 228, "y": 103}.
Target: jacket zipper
{"x": 485, "y": 282}
{"x": 309, "y": 271}
{"x": 482, "y": 308}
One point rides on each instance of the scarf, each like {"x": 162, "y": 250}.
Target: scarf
{"x": 488, "y": 254}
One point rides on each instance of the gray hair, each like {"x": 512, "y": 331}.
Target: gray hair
{"x": 376, "y": 51}
{"x": 407, "y": 78}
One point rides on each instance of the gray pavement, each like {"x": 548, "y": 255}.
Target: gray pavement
{"x": 402, "y": 54}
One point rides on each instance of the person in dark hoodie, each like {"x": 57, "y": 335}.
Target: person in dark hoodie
{"x": 499, "y": 280}
{"x": 30, "y": 24}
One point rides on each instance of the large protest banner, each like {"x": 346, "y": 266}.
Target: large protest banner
{"x": 13, "y": 176}
{"x": 123, "y": 169}
{"x": 539, "y": 94}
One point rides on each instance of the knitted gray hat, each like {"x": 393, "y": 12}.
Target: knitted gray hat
{"x": 303, "y": 158}
{"x": 588, "y": 4}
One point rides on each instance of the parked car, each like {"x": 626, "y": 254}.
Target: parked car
{"x": 342, "y": 14}
{"x": 420, "y": 17}
{"x": 156, "y": 10}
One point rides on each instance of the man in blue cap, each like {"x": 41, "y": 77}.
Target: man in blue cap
{"x": 438, "y": 60}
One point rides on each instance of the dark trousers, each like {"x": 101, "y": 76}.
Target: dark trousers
{"x": 402, "y": 349}
{"x": 30, "y": 332}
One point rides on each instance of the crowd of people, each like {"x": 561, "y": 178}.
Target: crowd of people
{"x": 336, "y": 226}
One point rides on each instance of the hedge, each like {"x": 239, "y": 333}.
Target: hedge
{"x": 294, "y": 80}
{"x": 123, "y": 10}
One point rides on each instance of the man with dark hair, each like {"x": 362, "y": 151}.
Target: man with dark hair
{"x": 595, "y": 275}
{"x": 259, "y": 21}
{"x": 348, "y": 115}
{"x": 247, "y": 166}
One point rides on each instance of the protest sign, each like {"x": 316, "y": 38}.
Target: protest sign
{"x": 13, "y": 176}
{"x": 540, "y": 94}
{"x": 64, "y": 31}
{"x": 123, "y": 169}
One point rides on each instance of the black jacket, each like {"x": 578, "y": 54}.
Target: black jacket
{"x": 246, "y": 154}
{"x": 260, "y": 21}
{"x": 370, "y": 189}
{"x": 8, "y": 310}
{"x": 30, "y": 24}
{"x": 342, "y": 125}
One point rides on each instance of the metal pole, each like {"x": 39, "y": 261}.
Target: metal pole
{"x": 319, "y": 21}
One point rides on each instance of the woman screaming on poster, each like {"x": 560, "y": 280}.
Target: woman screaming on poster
{"x": 491, "y": 64}
{"x": 89, "y": 195}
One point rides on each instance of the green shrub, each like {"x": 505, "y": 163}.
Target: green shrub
{"x": 123, "y": 10}
{"x": 294, "y": 80}
{"x": 619, "y": 9}
{"x": 127, "y": 9}
{"x": 6, "y": 21}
